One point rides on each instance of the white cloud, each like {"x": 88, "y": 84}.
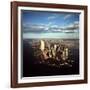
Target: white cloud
{"x": 67, "y": 16}
{"x": 51, "y": 17}
{"x": 46, "y": 28}
{"x": 54, "y": 26}
{"x": 71, "y": 28}
{"x": 76, "y": 22}
{"x": 33, "y": 28}
{"x": 50, "y": 24}
{"x": 51, "y": 27}
{"x": 57, "y": 30}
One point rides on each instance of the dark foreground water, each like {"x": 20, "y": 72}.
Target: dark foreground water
{"x": 31, "y": 68}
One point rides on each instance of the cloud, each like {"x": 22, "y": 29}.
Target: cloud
{"x": 74, "y": 27}
{"x": 67, "y": 16}
{"x": 41, "y": 28}
{"x": 33, "y": 28}
{"x": 56, "y": 30}
{"x": 50, "y": 23}
{"x": 50, "y": 27}
{"x": 76, "y": 22}
{"x": 51, "y": 17}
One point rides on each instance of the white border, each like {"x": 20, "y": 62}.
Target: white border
{"x": 52, "y": 78}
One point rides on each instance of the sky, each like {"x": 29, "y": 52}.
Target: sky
{"x": 44, "y": 24}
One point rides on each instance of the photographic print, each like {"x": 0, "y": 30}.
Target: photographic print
{"x": 49, "y": 44}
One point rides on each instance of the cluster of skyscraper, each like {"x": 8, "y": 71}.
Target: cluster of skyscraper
{"x": 53, "y": 51}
